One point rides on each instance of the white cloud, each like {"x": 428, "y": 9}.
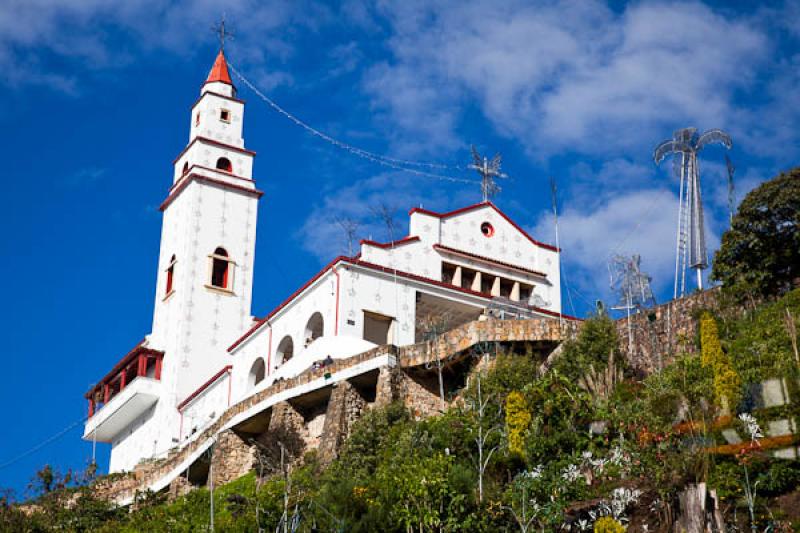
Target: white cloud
{"x": 322, "y": 236}
{"x": 89, "y": 35}
{"x": 641, "y": 222}
{"x": 565, "y": 75}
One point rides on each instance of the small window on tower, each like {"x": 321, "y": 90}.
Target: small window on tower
{"x": 170, "y": 276}
{"x": 197, "y": 119}
{"x": 220, "y": 269}
{"x": 223, "y": 163}
{"x": 185, "y": 167}
{"x": 225, "y": 115}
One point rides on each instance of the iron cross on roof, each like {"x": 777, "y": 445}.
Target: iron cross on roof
{"x": 222, "y": 32}
{"x": 488, "y": 170}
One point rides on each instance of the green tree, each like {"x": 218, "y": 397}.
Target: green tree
{"x": 761, "y": 250}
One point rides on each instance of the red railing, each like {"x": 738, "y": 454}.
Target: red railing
{"x": 139, "y": 362}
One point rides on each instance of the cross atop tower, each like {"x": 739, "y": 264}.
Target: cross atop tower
{"x": 222, "y": 32}
{"x": 488, "y": 170}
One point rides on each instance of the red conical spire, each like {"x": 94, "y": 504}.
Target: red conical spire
{"x": 219, "y": 72}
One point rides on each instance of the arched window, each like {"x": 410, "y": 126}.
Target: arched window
{"x": 223, "y": 163}
{"x": 314, "y": 328}
{"x": 170, "y": 276}
{"x": 285, "y": 350}
{"x": 257, "y": 373}
{"x": 220, "y": 269}
{"x": 185, "y": 168}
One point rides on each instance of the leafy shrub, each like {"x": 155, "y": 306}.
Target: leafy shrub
{"x": 727, "y": 384}
{"x": 518, "y": 418}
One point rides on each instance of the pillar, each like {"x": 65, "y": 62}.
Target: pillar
{"x": 515, "y": 292}
{"x": 496, "y": 286}
{"x": 476, "y": 283}
{"x": 457, "y": 277}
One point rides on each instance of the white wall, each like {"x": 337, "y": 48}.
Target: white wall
{"x": 195, "y": 324}
{"x": 205, "y": 407}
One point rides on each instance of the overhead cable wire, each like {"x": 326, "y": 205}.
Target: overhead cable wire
{"x": 42, "y": 444}
{"x": 615, "y": 249}
{"x": 390, "y": 162}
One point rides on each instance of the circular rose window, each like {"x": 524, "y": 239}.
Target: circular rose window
{"x": 487, "y": 229}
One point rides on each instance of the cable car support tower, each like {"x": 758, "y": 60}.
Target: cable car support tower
{"x": 690, "y": 247}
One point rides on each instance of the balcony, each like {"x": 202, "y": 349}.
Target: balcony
{"x": 130, "y": 389}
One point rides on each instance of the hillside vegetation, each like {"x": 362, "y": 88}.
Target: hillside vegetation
{"x": 584, "y": 446}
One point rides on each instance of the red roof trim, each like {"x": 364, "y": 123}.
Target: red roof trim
{"x": 485, "y": 204}
{"x": 215, "y": 143}
{"x": 438, "y": 283}
{"x": 286, "y": 302}
{"x": 390, "y": 244}
{"x": 503, "y": 264}
{"x": 449, "y": 213}
{"x": 356, "y": 261}
{"x": 215, "y": 170}
{"x": 231, "y": 98}
{"x": 122, "y": 363}
{"x": 204, "y": 386}
{"x": 205, "y": 179}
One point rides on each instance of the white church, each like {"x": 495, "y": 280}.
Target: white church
{"x": 207, "y": 352}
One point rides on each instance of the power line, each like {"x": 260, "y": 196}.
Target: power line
{"x": 43, "y": 443}
{"x": 390, "y": 162}
{"x": 642, "y": 219}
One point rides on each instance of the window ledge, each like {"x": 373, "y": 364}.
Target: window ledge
{"x": 220, "y": 290}
{"x": 166, "y": 296}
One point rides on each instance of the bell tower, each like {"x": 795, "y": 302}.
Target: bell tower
{"x": 204, "y": 284}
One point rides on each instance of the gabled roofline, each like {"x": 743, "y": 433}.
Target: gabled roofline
{"x": 478, "y": 206}
{"x": 390, "y": 244}
{"x": 356, "y": 261}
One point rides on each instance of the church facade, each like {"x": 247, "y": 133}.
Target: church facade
{"x": 207, "y": 352}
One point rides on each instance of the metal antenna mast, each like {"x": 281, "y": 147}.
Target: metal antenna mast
{"x": 350, "y": 227}
{"x": 632, "y": 287}
{"x": 731, "y": 191}
{"x": 488, "y": 170}
{"x": 690, "y": 247}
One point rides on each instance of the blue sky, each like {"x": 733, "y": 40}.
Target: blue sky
{"x": 96, "y": 98}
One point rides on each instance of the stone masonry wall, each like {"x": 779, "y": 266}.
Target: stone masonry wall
{"x": 232, "y": 457}
{"x": 344, "y": 408}
{"x": 661, "y": 332}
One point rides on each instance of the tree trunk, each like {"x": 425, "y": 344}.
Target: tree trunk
{"x": 698, "y": 511}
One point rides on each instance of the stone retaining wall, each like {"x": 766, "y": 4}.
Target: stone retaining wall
{"x": 663, "y": 331}
{"x": 391, "y": 386}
